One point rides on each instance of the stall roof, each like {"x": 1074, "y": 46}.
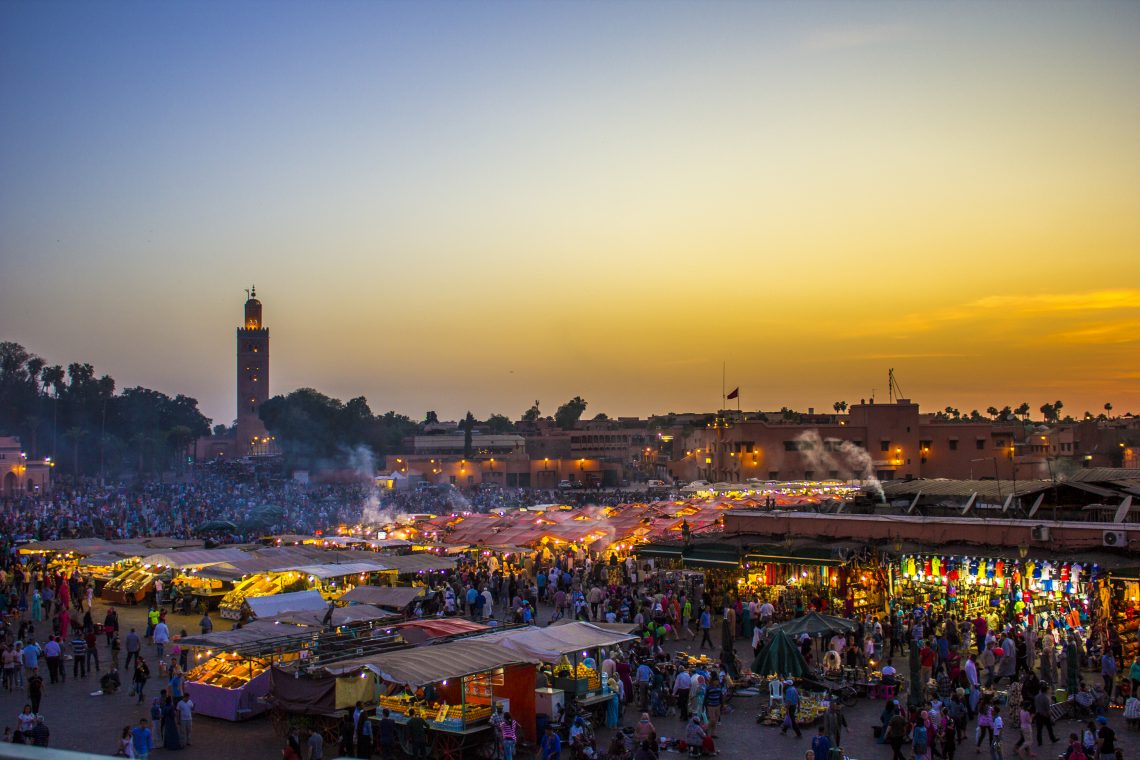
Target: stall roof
{"x": 64, "y": 545}
{"x": 416, "y": 563}
{"x": 278, "y": 604}
{"x": 194, "y": 558}
{"x": 250, "y": 633}
{"x": 440, "y": 627}
{"x": 325, "y": 571}
{"x": 550, "y": 643}
{"x": 357, "y": 613}
{"x": 101, "y": 559}
{"x": 418, "y": 666}
{"x": 396, "y": 597}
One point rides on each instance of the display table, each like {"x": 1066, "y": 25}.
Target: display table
{"x": 448, "y": 743}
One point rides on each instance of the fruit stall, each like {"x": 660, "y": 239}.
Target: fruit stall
{"x": 454, "y": 686}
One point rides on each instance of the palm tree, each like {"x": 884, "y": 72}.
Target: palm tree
{"x": 1108, "y": 410}
{"x": 53, "y": 376}
{"x": 180, "y": 436}
{"x": 74, "y": 435}
{"x": 992, "y": 411}
{"x": 1022, "y": 410}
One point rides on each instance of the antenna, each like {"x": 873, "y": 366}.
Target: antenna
{"x": 893, "y": 386}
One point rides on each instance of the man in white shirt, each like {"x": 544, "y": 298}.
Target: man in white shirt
{"x": 681, "y": 687}
{"x": 766, "y": 612}
{"x": 161, "y": 638}
{"x": 185, "y": 710}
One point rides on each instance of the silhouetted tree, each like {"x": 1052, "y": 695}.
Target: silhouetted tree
{"x": 569, "y": 413}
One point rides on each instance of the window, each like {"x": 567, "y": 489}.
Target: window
{"x": 981, "y": 442}
{"x": 773, "y": 474}
{"x": 884, "y": 446}
{"x": 953, "y": 444}
{"x": 798, "y": 445}
{"x": 833, "y": 474}
{"x": 859, "y": 444}
{"x": 809, "y": 474}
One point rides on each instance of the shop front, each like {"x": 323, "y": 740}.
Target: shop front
{"x": 1034, "y": 590}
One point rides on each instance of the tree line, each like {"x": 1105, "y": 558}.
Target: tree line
{"x": 75, "y": 417}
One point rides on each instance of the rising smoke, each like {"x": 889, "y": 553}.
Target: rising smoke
{"x": 850, "y": 461}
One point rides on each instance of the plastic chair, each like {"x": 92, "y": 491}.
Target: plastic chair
{"x": 776, "y": 692}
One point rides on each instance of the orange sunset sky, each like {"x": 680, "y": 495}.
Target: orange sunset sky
{"x": 459, "y": 206}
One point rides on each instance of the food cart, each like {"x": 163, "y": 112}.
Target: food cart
{"x": 565, "y": 651}
{"x": 454, "y": 686}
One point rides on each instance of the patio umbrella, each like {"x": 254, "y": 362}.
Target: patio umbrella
{"x": 214, "y": 526}
{"x": 815, "y": 624}
{"x": 781, "y": 656}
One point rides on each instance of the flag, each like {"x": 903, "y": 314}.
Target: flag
{"x": 735, "y": 393}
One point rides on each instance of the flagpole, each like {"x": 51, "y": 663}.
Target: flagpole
{"x": 723, "y": 400}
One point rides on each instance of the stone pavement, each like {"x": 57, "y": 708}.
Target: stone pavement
{"x": 739, "y": 736}
{"x": 80, "y": 721}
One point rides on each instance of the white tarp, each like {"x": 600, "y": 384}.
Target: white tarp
{"x": 277, "y": 604}
{"x": 550, "y": 643}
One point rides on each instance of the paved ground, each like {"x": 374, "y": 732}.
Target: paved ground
{"x": 92, "y": 724}
{"x": 80, "y": 721}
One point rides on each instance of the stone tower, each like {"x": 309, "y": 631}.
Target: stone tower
{"x": 252, "y": 380}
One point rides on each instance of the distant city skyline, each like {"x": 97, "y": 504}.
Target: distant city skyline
{"x": 470, "y": 206}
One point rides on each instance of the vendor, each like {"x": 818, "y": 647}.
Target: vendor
{"x": 889, "y": 674}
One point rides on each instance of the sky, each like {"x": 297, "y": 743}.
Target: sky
{"x": 474, "y": 205}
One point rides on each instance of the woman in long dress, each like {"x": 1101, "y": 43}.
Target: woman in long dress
{"x": 37, "y": 607}
{"x": 170, "y": 737}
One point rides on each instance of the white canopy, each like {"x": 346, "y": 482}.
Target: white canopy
{"x": 550, "y": 643}
{"x": 278, "y": 604}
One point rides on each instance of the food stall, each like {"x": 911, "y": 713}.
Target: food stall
{"x": 230, "y": 674}
{"x": 329, "y": 579}
{"x": 452, "y": 685}
{"x": 565, "y": 652}
{"x": 134, "y": 584}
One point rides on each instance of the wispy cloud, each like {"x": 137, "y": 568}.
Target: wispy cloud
{"x": 843, "y": 38}
{"x": 1097, "y": 305}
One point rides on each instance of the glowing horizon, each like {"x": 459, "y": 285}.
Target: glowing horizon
{"x": 471, "y": 206}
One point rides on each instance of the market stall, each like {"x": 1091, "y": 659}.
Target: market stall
{"x": 329, "y": 579}
{"x": 454, "y": 686}
{"x": 230, "y": 675}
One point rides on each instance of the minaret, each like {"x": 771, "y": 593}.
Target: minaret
{"x": 252, "y": 379}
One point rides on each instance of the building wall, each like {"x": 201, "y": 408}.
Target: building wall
{"x": 18, "y": 474}
{"x": 887, "y": 441}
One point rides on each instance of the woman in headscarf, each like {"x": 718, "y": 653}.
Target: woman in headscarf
{"x": 645, "y": 731}
{"x": 697, "y": 696}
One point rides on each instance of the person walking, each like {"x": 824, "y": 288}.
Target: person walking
{"x": 78, "y": 656}
{"x": 110, "y": 624}
{"x": 791, "y": 707}
{"x": 185, "y": 709}
{"x": 161, "y": 635}
{"x": 706, "y": 628}
{"x": 1041, "y": 706}
{"x": 510, "y": 728}
{"x": 133, "y": 646}
{"x": 417, "y": 733}
{"x": 386, "y": 735}
{"x": 141, "y": 674}
{"x": 35, "y": 689}
{"x": 142, "y": 740}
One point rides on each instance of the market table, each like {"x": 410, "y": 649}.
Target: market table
{"x": 449, "y": 743}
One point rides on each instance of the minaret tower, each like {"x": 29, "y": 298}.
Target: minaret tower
{"x": 252, "y": 379}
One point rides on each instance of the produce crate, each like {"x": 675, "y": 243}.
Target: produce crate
{"x": 572, "y": 686}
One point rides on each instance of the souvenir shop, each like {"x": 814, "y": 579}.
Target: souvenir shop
{"x": 796, "y": 583}
{"x": 1121, "y": 595}
{"x": 995, "y": 585}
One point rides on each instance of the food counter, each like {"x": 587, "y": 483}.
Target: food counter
{"x": 131, "y": 586}
{"x": 229, "y": 687}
